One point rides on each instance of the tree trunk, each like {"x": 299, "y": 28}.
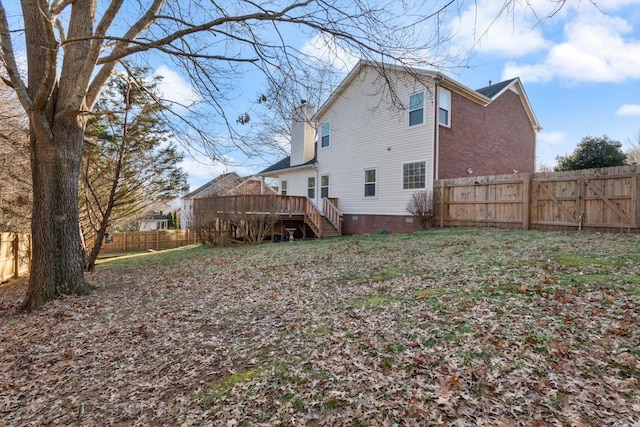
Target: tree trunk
{"x": 57, "y": 251}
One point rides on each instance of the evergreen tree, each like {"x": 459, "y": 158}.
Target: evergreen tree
{"x": 128, "y": 162}
{"x": 593, "y": 153}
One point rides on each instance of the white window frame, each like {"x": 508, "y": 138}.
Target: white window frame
{"x": 374, "y": 182}
{"x": 311, "y": 190}
{"x": 283, "y": 188}
{"x": 412, "y": 110}
{"x": 402, "y": 174}
{"x": 444, "y": 106}
{"x": 324, "y": 187}
{"x": 323, "y": 126}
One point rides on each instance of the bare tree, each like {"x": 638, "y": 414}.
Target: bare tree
{"x": 633, "y": 154}
{"x": 73, "y": 47}
{"x": 15, "y": 177}
{"x": 421, "y": 207}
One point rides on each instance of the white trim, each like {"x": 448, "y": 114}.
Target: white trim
{"x": 315, "y": 187}
{"x": 364, "y": 183}
{"x": 328, "y": 175}
{"x": 402, "y": 175}
{"x": 448, "y": 110}
{"x": 424, "y": 109}
{"x": 328, "y": 123}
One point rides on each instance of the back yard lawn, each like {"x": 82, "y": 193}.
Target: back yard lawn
{"x": 445, "y": 327}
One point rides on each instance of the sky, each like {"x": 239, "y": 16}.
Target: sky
{"x": 580, "y": 69}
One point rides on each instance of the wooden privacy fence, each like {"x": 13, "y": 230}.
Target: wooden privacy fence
{"x": 15, "y": 255}
{"x": 604, "y": 199}
{"x": 138, "y": 241}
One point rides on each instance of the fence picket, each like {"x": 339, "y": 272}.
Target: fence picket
{"x": 604, "y": 199}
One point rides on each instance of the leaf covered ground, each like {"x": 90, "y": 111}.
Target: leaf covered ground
{"x": 445, "y": 327}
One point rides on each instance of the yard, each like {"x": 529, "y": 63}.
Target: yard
{"x": 444, "y": 327}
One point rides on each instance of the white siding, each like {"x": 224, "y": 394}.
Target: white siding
{"x": 186, "y": 214}
{"x": 366, "y": 133}
{"x": 297, "y": 181}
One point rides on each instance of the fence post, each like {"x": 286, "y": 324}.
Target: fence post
{"x": 16, "y": 255}
{"x": 526, "y": 200}
{"x": 443, "y": 202}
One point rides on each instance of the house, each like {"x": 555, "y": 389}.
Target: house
{"x": 388, "y": 132}
{"x": 228, "y": 184}
{"x": 154, "y": 221}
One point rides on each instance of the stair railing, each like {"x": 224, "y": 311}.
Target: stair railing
{"x": 332, "y": 214}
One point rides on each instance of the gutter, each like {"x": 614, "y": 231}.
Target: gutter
{"x": 436, "y": 145}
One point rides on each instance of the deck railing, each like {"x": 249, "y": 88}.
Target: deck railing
{"x": 332, "y": 214}
{"x": 206, "y": 208}
{"x": 313, "y": 217}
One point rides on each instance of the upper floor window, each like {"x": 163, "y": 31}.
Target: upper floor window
{"x": 324, "y": 186}
{"x": 444, "y": 107}
{"x": 325, "y": 135}
{"x": 311, "y": 187}
{"x": 369, "y": 183}
{"x": 413, "y": 175}
{"x": 416, "y": 109}
{"x": 283, "y": 188}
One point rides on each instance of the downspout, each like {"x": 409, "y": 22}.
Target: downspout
{"x": 436, "y": 147}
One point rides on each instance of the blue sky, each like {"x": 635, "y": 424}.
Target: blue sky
{"x": 580, "y": 68}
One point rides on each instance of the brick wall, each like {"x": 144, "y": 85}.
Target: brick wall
{"x": 490, "y": 140}
{"x": 373, "y": 224}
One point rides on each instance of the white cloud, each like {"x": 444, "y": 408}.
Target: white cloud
{"x": 175, "y": 89}
{"x": 549, "y": 145}
{"x": 628, "y": 110}
{"x": 487, "y": 27}
{"x": 594, "y": 50}
{"x": 325, "y": 49}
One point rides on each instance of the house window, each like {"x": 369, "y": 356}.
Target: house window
{"x": 444, "y": 107}
{"x": 369, "y": 183}
{"x": 324, "y": 186}
{"x": 283, "y": 188}
{"x": 325, "y": 135}
{"x": 311, "y": 187}
{"x": 416, "y": 109}
{"x": 413, "y": 175}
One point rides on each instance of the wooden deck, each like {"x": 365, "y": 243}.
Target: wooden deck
{"x": 285, "y": 212}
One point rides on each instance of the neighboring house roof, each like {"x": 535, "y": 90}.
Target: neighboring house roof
{"x": 227, "y": 184}
{"x": 219, "y": 183}
{"x": 286, "y": 164}
{"x": 155, "y": 216}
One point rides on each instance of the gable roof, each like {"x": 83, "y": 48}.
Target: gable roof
{"x": 494, "y": 89}
{"x": 483, "y": 96}
{"x": 220, "y": 182}
{"x": 356, "y": 70}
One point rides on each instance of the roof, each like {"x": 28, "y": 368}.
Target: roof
{"x": 285, "y": 164}
{"x": 495, "y": 89}
{"x": 218, "y": 183}
{"x": 155, "y": 216}
{"x": 483, "y": 96}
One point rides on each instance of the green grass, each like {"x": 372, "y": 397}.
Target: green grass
{"x": 504, "y": 309}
